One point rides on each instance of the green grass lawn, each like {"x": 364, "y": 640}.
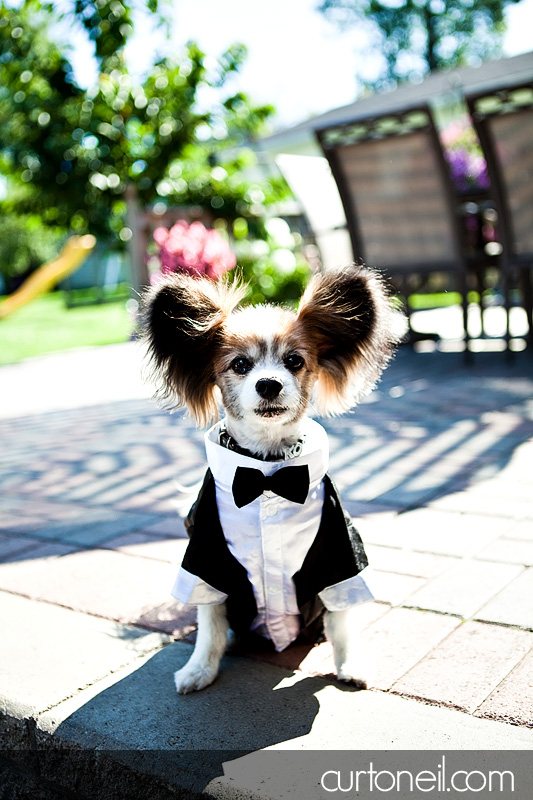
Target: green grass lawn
{"x": 46, "y": 325}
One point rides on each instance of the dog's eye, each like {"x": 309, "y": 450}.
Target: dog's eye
{"x": 294, "y": 362}
{"x": 241, "y": 365}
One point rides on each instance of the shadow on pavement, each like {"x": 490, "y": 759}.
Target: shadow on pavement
{"x": 189, "y": 737}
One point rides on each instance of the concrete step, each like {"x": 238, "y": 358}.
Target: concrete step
{"x": 88, "y": 707}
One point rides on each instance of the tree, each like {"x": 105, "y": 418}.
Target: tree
{"x": 108, "y": 23}
{"x": 415, "y": 37}
{"x": 70, "y": 153}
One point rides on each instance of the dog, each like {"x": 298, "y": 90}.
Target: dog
{"x": 271, "y": 550}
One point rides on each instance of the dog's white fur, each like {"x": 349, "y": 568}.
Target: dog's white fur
{"x": 337, "y": 344}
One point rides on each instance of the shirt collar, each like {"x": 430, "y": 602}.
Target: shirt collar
{"x": 223, "y": 462}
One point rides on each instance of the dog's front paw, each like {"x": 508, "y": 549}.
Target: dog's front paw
{"x": 359, "y": 673}
{"x": 349, "y": 676}
{"x": 193, "y": 678}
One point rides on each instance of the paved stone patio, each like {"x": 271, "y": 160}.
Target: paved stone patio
{"x": 436, "y": 465}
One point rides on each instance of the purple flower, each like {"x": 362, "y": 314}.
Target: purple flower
{"x": 468, "y": 168}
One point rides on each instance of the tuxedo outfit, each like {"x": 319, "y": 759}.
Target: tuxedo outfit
{"x": 276, "y": 563}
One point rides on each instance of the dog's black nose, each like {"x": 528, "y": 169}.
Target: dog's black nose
{"x": 268, "y": 388}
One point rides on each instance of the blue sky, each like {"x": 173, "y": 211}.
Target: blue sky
{"x": 297, "y": 60}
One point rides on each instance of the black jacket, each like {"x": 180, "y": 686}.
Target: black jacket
{"x": 337, "y": 553}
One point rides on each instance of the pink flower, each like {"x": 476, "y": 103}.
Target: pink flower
{"x": 193, "y": 249}
{"x": 160, "y": 236}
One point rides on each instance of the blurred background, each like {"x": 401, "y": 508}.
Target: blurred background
{"x": 149, "y": 137}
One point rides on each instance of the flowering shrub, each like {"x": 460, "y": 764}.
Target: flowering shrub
{"x": 193, "y": 249}
{"x": 270, "y": 257}
{"x": 467, "y": 166}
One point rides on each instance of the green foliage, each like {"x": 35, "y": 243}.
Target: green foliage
{"x": 108, "y": 23}
{"x": 218, "y": 179}
{"x": 70, "y": 154}
{"x": 267, "y": 284}
{"x": 25, "y": 243}
{"x": 418, "y": 36}
{"x": 273, "y": 265}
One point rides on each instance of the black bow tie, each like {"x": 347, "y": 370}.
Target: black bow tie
{"x": 292, "y": 483}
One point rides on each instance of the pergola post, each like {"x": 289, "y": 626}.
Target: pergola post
{"x": 137, "y": 241}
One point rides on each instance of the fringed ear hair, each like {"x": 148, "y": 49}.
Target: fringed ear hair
{"x": 348, "y": 319}
{"x": 182, "y": 322}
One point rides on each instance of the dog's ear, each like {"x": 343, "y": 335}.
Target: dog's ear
{"x": 183, "y": 319}
{"x": 348, "y": 319}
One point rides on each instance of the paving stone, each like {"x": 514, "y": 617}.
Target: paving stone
{"x": 64, "y": 491}
{"x": 522, "y": 530}
{"x": 40, "y": 550}
{"x": 316, "y": 660}
{"x": 368, "y": 613}
{"x": 376, "y": 528}
{"x": 510, "y": 550}
{"x": 411, "y": 495}
{"x": 467, "y": 666}
{"x": 146, "y": 503}
{"x": 356, "y": 484}
{"x": 172, "y": 618}
{"x": 512, "y": 700}
{"x": 477, "y": 503}
{"x": 168, "y": 526}
{"x": 512, "y": 491}
{"x": 93, "y": 535}
{"x": 100, "y": 582}
{"x": 389, "y": 587}
{"x": 437, "y": 452}
{"x": 393, "y": 489}
{"x": 11, "y": 546}
{"x": 452, "y": 432}
{"x": 465, "y": 588}
{"x": 361, "y": 512}
{"x": 514, "y": 604}
{"x": 180, "y": 622}
{"x": 50, "y": 482}
{"x": 311, "y": 659}
{"x": 520, "y": 460}
{"x": 46, "y": 510}
{"x": 11, "y": 503}
{"x": 15, "y": 523}
{"x": 127, "y": 484}
{"x": 140, "y": 543}
{"x": 371, "y": 455}
{"x": 95, "y": 525}
{"x": 407, "y": 562}
{"x": 253, "y": 706}
{"x": 105, "y": 490}
{"x": 431, "y": 531}
{"x": 50, "y": 653}
{"x": 12, "y": 481}
{"x": 398, "y": 640}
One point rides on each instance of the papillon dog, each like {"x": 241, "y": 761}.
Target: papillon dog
{"x": 271, "y": 549}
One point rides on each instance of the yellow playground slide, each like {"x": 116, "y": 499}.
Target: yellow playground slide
{"x": 72, "y": 256}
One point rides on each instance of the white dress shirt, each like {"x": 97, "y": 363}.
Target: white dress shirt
{"x": 270, "y": 537}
